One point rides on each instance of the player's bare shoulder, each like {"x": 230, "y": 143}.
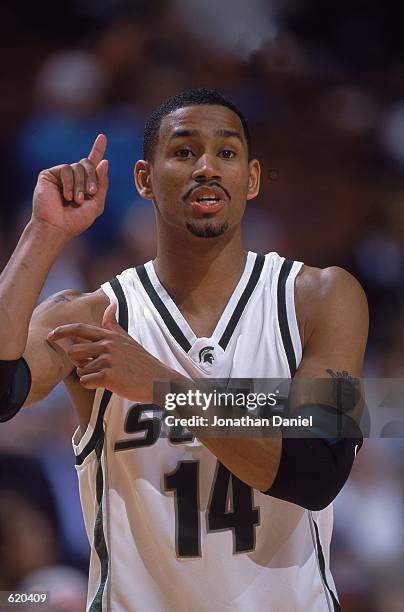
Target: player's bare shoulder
{"x": 71, "y": 306}
{"x": 331, "y": 294}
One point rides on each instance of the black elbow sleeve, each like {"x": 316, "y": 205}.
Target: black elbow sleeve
{"x": 312, "y": 471}
{"x": 15, "y": 385}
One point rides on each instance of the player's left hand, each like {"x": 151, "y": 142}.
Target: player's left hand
{"x": 107, "y": 357}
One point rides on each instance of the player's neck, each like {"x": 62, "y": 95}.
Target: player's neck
{"x": 200, "y": 271}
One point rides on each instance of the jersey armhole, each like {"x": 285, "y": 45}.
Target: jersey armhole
{"x": 116, "y": 294}
{"x": 287, "y": 318}
{"x": 291, "y": 311}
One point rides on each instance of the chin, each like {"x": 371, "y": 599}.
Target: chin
{"x": 207, "y": 230}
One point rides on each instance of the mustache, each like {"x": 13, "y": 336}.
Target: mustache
{"x": 214, "y": 184}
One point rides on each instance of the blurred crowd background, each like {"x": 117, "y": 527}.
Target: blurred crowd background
{"x": 322, "y": 87}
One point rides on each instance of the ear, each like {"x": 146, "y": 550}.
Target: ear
{"x": 254, "y": 177}
{"x": 143, "y": 179}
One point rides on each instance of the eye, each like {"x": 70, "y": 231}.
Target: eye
{"x": 183, "y": 153}
{"x": 227, "y": 154}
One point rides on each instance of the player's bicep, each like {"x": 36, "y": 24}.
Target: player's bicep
{"x": 48, "y": 364}
{"x": 339, "y": 327}
{"x": 331, "y": 367}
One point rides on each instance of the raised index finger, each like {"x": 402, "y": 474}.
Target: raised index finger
{"x": 80, "y": 330}
{"x": 98, "y": 149}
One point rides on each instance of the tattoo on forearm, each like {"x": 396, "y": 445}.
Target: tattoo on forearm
{"x": 346, "y": 390}
{"x": 342, "y": 374}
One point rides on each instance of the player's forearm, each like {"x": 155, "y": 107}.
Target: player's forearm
{"x": 254, "y": 461}
{"x": 21, "y": 282}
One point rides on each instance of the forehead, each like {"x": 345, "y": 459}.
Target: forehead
{"x": 207, "y": 119}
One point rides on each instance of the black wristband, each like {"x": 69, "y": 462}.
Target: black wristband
{"x": 15, "y": 385}
{"x": 7, "y": 373}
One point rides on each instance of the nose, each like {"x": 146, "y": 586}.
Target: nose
{"x": 206, "y": 168}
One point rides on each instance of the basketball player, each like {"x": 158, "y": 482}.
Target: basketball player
{"x": 175, "y": 523}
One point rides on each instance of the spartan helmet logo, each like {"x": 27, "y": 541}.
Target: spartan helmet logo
{"x": 205, "y": 355}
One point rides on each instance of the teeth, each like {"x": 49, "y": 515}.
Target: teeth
{"x": 208, "y": 199}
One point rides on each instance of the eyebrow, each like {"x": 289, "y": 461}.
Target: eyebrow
{"x": 229, "y": 134}
{"x": 183, "y": 134}
{"x": 222, "y": 133}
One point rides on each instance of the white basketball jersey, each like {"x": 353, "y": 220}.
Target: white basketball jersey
{"x": 170, "y": 528}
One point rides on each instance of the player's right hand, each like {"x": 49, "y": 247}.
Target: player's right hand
{"x": 71, "y": 197}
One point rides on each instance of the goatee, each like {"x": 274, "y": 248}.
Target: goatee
{"x": 207, "y": 231}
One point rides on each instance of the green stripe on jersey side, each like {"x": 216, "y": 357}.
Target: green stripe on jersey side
{"x": 318, "y": 551}
{"x": 96, "y": 443}
{"x": 321, "y": 561}
{"x": 100, "y": 545}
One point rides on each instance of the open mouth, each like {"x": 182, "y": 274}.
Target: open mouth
{"x": 207, "y": 200}
{"x": 207, "y": 205}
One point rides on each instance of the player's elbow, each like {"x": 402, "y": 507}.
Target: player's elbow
{"x": 312, "y": 471}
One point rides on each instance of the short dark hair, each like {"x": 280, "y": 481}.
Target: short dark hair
{"x": 191, "y": 97}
